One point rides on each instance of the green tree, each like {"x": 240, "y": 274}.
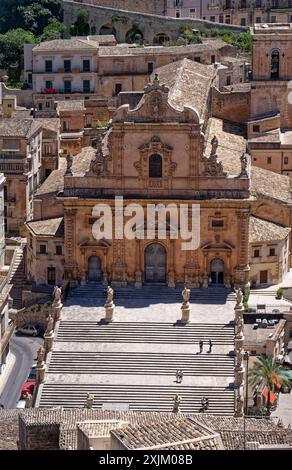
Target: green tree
{"x": 81, "y": 25}
{"x": 11, "y": 47}
{"x": 267, "y": 373}
{"x": 54, "y": 30}
{"x": 29, "y": 14}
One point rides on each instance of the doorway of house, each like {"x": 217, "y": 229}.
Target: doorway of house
{"x": 155, "y": 263}
{"x": 217, "y": 271}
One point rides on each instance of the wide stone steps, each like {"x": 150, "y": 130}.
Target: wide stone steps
{"x": 154, "y": 292}
{"x": 132, "y": 363}
{"x": 89, "y": 331}
{"x": 139, "y": 397}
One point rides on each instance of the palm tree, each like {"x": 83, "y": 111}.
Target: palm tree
{"x": 267, "y": 373}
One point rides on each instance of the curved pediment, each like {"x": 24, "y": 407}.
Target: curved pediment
{"x": 155, "y": 106}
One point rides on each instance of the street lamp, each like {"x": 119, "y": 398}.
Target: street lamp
{"x": 246, "y": 358}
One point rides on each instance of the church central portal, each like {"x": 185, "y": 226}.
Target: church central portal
{"x": 155, "y": 263}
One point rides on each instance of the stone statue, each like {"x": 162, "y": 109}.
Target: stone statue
{"x": 89, "y": 400}
{"x": 69, "y": 159}
{"x": 28, "y": 400}
{"x": 214, "y": 143}
{"x": 239, "y": 358}
{"x": 245, "y": 164}
{"x": 50, "y": 324}
{"x": 176, "y": 403}
{"x": 109, "y": 294}
{"x": 186, "y": 294}
{"x": 239, "y": 297}
{"x": 239, "y": 405}
{"x": 57, "y": 295}
{"x": 41, "y": 356}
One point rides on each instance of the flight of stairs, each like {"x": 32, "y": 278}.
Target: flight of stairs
{"x": 95, "y": 291}
{"x": 139, "y": 397}
{"x": 17, "y": 278}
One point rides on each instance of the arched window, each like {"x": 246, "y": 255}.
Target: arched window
{"x": 155, "y": 166}
{"x": 275, "y": 64}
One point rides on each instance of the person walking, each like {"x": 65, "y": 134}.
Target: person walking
{"x": 181, "y": 376}
{"x": 210, "y": 346}
{"x": 201, "y": 344}
{"x": 177, "y": 376}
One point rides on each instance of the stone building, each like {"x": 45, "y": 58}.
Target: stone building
{"x": 41, "y": 429}
{"x": 72, "y": 123}
{"x": 269, "y": 252}
{"x": 93, "y": 70}
{"x": 21, "y": 154}
{"x": 141, "y": 158}
{"x": 50, "y": 145}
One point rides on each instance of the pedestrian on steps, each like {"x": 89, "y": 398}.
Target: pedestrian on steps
{"x": 210, "y": 346}
{"x": 201, "y": 344}
{"x": 181, "y": 376}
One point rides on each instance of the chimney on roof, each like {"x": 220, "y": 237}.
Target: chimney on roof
{"x": 8, "y": 105}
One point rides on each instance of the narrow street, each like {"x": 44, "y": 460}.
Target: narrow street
{"x": 25, "y": 350}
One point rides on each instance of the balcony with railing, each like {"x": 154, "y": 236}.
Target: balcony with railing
{"x": 64, "y": 91}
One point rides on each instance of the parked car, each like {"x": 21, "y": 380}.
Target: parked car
{"x": 28, "y": 387}
{"x": 20, "y": 404}
{"x": 32, "y": 374}
{"x": 28, "y": 329}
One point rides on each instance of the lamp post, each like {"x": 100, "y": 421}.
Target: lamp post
{"x": 246, "y": 358}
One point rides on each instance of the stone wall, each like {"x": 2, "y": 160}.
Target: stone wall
{"x": 39, "y": 437}
{"x": 24, "y": 97}
{"x": 232, "y": 106}
{"x": 121, "y": 22}
{"x": 37, "y": 313}
{"x": 156, "y": 7}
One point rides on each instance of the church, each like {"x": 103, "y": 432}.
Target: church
{"x": 161, "y": 149}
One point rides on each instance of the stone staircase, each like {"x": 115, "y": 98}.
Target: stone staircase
{"x": 212, "y": 295}
{"x": 163, "y": 333}
{"x": 139, "y": 397}
{"x": 133, "y": 363}
{"x": 17, "y": 278}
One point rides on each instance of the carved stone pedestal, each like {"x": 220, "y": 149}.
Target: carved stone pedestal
{"x": 56, "y": 311}
{"x": 40, "y": 373}
{"x": 109, "y": 312}
{"x": 83, "y": 278}
{"x": 185, "y": 310}
{"x": 48, "y": 343}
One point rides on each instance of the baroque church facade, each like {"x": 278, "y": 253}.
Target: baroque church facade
{"x": 152, "y": 153}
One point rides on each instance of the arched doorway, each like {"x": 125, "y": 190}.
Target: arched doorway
{"x": 107, "y": 29}
{"x": 94, "y": 268}
{"x": 217, "y": 271}
{"x": 160, "y": 39}
{"x": 275, "y": 64}
{"x": 155, "y": 263}
{"x": 134, "y": 35}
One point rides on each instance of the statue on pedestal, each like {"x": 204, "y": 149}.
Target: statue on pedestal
{"x": 109, "y": 295}
{"x": 176, "y": 403}
{"x": 89, "y": 400}
{"x": 40, "y": 357}
{"x": 186, "y": 293}
{"x": 50, "y": 325}
{"x": 239, "y": 297}
{"x": 57, "y": 295}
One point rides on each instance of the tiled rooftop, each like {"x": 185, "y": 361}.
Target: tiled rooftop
{"x": 50, "y": 227}
{"x": 263, "y": 231}
{"x": 17, "y": 127}
{"x": 189, "y": 82}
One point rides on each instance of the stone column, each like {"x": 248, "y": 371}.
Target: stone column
{"x": 70, "y": 266}
{"x": 83, "y": 273}
{"x": 171, "y": 277}
{"x": 104, "y": 269}
{"x": 205, "y": 277}
{"x": 242, "y": 269}
{"x": 138, "y": 273}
